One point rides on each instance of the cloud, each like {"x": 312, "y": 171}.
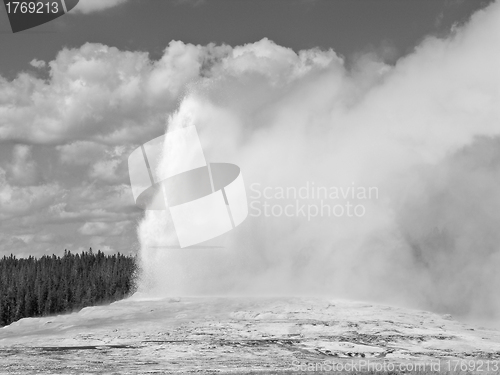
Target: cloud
{"x": 16, "y": 201}
{"x": 23, "y": 169}
{"x": 102, "y": 228}
{"x": 89, "y": 202}
{"x": 45, "y": 217}
{"x": 90, "y": 6}
{"x": 106, "y": 170}
{"x": 80, "y": 152}
{"x": 99, "y": 94}
{"x": 38, "y": 63}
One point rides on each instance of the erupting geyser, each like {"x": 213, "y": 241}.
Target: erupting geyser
{"x": 424, "y": 132}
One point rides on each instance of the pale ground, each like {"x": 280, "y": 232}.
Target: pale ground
{"x": 225, "y": 335}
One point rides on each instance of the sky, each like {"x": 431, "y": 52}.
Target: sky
{"x": 78, "y": 94}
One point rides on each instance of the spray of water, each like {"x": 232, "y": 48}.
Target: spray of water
{"x": 423, "y": 132}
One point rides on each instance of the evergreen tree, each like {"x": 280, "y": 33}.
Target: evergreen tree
{"x": 52, "y": 284}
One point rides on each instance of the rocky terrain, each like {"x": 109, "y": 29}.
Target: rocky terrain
{"x": 231, "y": 335}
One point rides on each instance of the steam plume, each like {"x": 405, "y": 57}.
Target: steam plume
{"x": 424, "y": 132}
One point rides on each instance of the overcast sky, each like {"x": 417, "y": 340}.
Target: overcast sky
{"x": 78, "y": 94}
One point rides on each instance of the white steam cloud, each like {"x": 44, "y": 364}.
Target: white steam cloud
{"x": 424, "y": 132}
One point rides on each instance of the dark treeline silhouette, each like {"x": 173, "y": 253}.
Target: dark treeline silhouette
{"x": 51, "y": 284}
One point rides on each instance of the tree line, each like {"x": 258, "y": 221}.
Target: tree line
{"x": 31, "y": 287}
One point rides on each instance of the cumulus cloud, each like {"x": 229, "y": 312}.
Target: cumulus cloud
{"x": 16, "y": 201}
{"x": 112, "y": 168}
{"x": 80, "y": 152}
{"x": 23, "y": 169}
{"x": 38, "y": 63}
{"x": 101, "y": 94}
{"x": 102, "y": 228}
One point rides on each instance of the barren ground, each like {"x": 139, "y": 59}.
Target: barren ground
{"x": 227, "y": 335}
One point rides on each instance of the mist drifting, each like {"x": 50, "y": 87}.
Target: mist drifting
{"x": 425, "y": 132}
